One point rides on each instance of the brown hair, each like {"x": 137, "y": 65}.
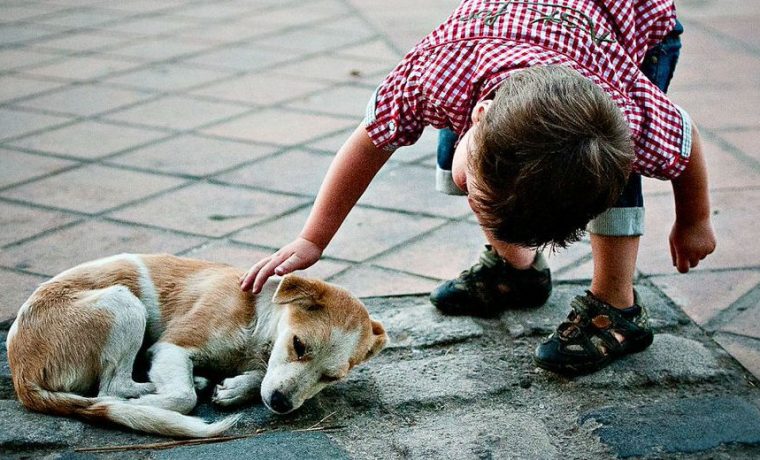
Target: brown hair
{"x": 552, "y": 152}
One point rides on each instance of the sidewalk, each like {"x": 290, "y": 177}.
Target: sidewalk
{"x": 204, "y": 128}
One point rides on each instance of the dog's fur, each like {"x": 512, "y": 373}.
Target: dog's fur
{"x": 73, "y": 345}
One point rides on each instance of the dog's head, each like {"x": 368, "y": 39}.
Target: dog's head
{"x": 323, "y": 332}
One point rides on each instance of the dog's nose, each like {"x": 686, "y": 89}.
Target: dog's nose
{"x": 279, "y": 403}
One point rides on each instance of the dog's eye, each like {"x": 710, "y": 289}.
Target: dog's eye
{"x": 299, "y": 347}
{"x": 329, "y": 378}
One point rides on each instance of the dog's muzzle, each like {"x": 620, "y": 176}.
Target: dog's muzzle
{"x": 279, "y": 403}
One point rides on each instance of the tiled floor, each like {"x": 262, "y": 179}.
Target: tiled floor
{"x": 203, "y": 128}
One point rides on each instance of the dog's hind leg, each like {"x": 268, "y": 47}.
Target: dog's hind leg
{"x": 124, "y": 342}
{"x": 171, "y": 370}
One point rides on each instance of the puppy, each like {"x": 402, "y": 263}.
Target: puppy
{"x": 74, "y": 342}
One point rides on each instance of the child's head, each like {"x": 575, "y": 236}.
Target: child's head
{"x": 551, "y": 152}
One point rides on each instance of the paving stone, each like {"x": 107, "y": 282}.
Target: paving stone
{"x": 365, "y": 233}
{"x": 152, "y": 25}
{"x": 176, "y": 112}
{"x": 17, "y": 167}
{"x": 312, "y": 40}
{"x": 192, "y": 155}
{"x": 15, "y": 34}
{"x": 81, "y": 68}
{"x": 342, "y": 100}
{"x": 155, "y": 49}
{"x": 88, "y": 139}
{"x": 87, "y": 40}
{"x": 545, "y": 319}
{"x": 53, "y": 253}
{"x": 703, "y": 295}
{"x": 747, "y": 321}
{"x": 458, "y": 376}
{"x": 260, "y": 89}
{"x": 333, "y": 68}
{"x": 296, "y": 171}
{"x": 167, "y": 77}
{"x": 332, "y": 143}
{"x": 744, "y": 140}
{"x": 746, "y": 350}
{"x": 676, "y": 425}
{"x": 368, "y": 281}
{"x": 743, "y": 103}
{"x": 484, "y": 434}
{"x": 373, "y": 50}
{"x": 92, "y": 188}
{"x": 20, "y": 222}
{"x": 15, "y": 288}
{"x": 22, "y": 430}
{"x": 425, "y": 148}
{"x": 412, "y": 188}
{"x": 84, "y": 100}
{"x": 670, "y": 359}
{"x": 277, "y": 126}
{"x": 565, "y": 262}
{"x": 16, "y": 58}
{"x": 290, "y": 446}
{"x": 420, "y": 324}
{"x": 89, "y": 17}
{"x": 209, "y": 209}
{"x": 241, "y": 58}
{"x": 15, "y": 122}
{"x": 434, "y": 256}
{"x": 13, "y": 87}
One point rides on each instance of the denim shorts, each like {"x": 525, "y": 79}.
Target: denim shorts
{"x": 626, "y": 217}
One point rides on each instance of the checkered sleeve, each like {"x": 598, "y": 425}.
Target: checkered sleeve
{"x": 395, "y": 115}
{"x": 654, "y": 19}
{"x": 661, "y": 133}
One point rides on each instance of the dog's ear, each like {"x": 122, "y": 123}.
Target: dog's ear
{"x": 379, "y": 339}
{"x": 296, "y": 289}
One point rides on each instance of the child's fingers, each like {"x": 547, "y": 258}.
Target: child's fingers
{"x": 267, "y": 270}
{"x": 248, "y": 280}
{"x": 292, "y": 263}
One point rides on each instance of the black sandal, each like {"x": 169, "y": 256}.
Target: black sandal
{"x": 594, "y": 335}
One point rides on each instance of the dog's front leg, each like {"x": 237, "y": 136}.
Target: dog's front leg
{"x": 239, "y": 389}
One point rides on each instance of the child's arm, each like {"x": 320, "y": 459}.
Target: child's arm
{"x": 692, "y": 237}
{"x": 351, "y": 171}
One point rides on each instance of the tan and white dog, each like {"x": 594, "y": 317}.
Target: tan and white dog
{"x": 73, "y": 345}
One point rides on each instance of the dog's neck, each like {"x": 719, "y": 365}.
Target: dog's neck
{"x": 267, "y": 315}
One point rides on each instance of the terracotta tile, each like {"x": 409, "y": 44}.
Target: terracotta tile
{"x": 261, "y": 89}
{"x": 279, "y": 127}
{"x": 412, "y": 188}
{"x": 702, "y": 295}
{"x": 734, "y": 216}
{"x": 63, "y": 249}
{"x": 365, "y": 233}
{"x": 244, "y": 257}
{"x": 296, "y": 171}
{"x": 342, "y": 100}
{"x": 192, "y": 155}
{"x": 367, "y": 281}
{"x": 84, "y": 100}
{"x": 15, "y": 122}
{"x": 209, "y": 209}
{"x": 15, "y": 288}
{"x": 12, "y": 87}
{"x": 442, "y": 254}
{"x": 20, "y": 222}
{"x": 743, "y": 349}
{"x": 92, "y": 188}
{"x": 746, "y": 323}
{"x": 17, "y": 167}
{"x": 167, "y": 77}
{"x": 81, "y": 68}
{"x": 177, "y": 112}
{"x": 88, "y": 139}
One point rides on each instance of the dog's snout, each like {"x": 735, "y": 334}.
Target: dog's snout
{"x": 279, "y": 403}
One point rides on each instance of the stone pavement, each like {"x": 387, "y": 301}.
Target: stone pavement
{"x": 203, "y": 129}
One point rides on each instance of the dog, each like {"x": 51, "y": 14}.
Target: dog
{"x": 74, "y": 342}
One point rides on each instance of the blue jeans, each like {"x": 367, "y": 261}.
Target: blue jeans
{"x": 626, "y": 217}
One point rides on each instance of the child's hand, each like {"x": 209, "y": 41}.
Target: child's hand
{"x": 297, "y": 255}
{"x": 690, "y": 243}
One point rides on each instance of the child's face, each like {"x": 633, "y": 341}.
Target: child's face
{"x": 459, "y": 167}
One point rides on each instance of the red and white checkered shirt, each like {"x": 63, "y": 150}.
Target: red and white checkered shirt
{"x": 465, "y": 59}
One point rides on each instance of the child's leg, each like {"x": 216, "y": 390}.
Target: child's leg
{"x": 614, "y": 268}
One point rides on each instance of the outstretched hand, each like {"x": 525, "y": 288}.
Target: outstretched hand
{"x": 690, "y": 243}
{"x": 296, "y": 255}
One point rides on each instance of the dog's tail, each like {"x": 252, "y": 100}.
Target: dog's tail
{"x": 144, "y": 418}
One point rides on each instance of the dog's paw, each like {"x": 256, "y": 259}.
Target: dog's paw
{"x": 234, "y": 391}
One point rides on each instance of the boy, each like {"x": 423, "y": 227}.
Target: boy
{"x": 557, "y": 108}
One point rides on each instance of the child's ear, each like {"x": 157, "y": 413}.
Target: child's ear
{"x": 480, "y": 110}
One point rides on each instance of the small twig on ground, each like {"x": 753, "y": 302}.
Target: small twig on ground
{"x": 196, "y": 441}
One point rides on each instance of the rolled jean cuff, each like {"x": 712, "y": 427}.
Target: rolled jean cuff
{"x": 618, "y": 222}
